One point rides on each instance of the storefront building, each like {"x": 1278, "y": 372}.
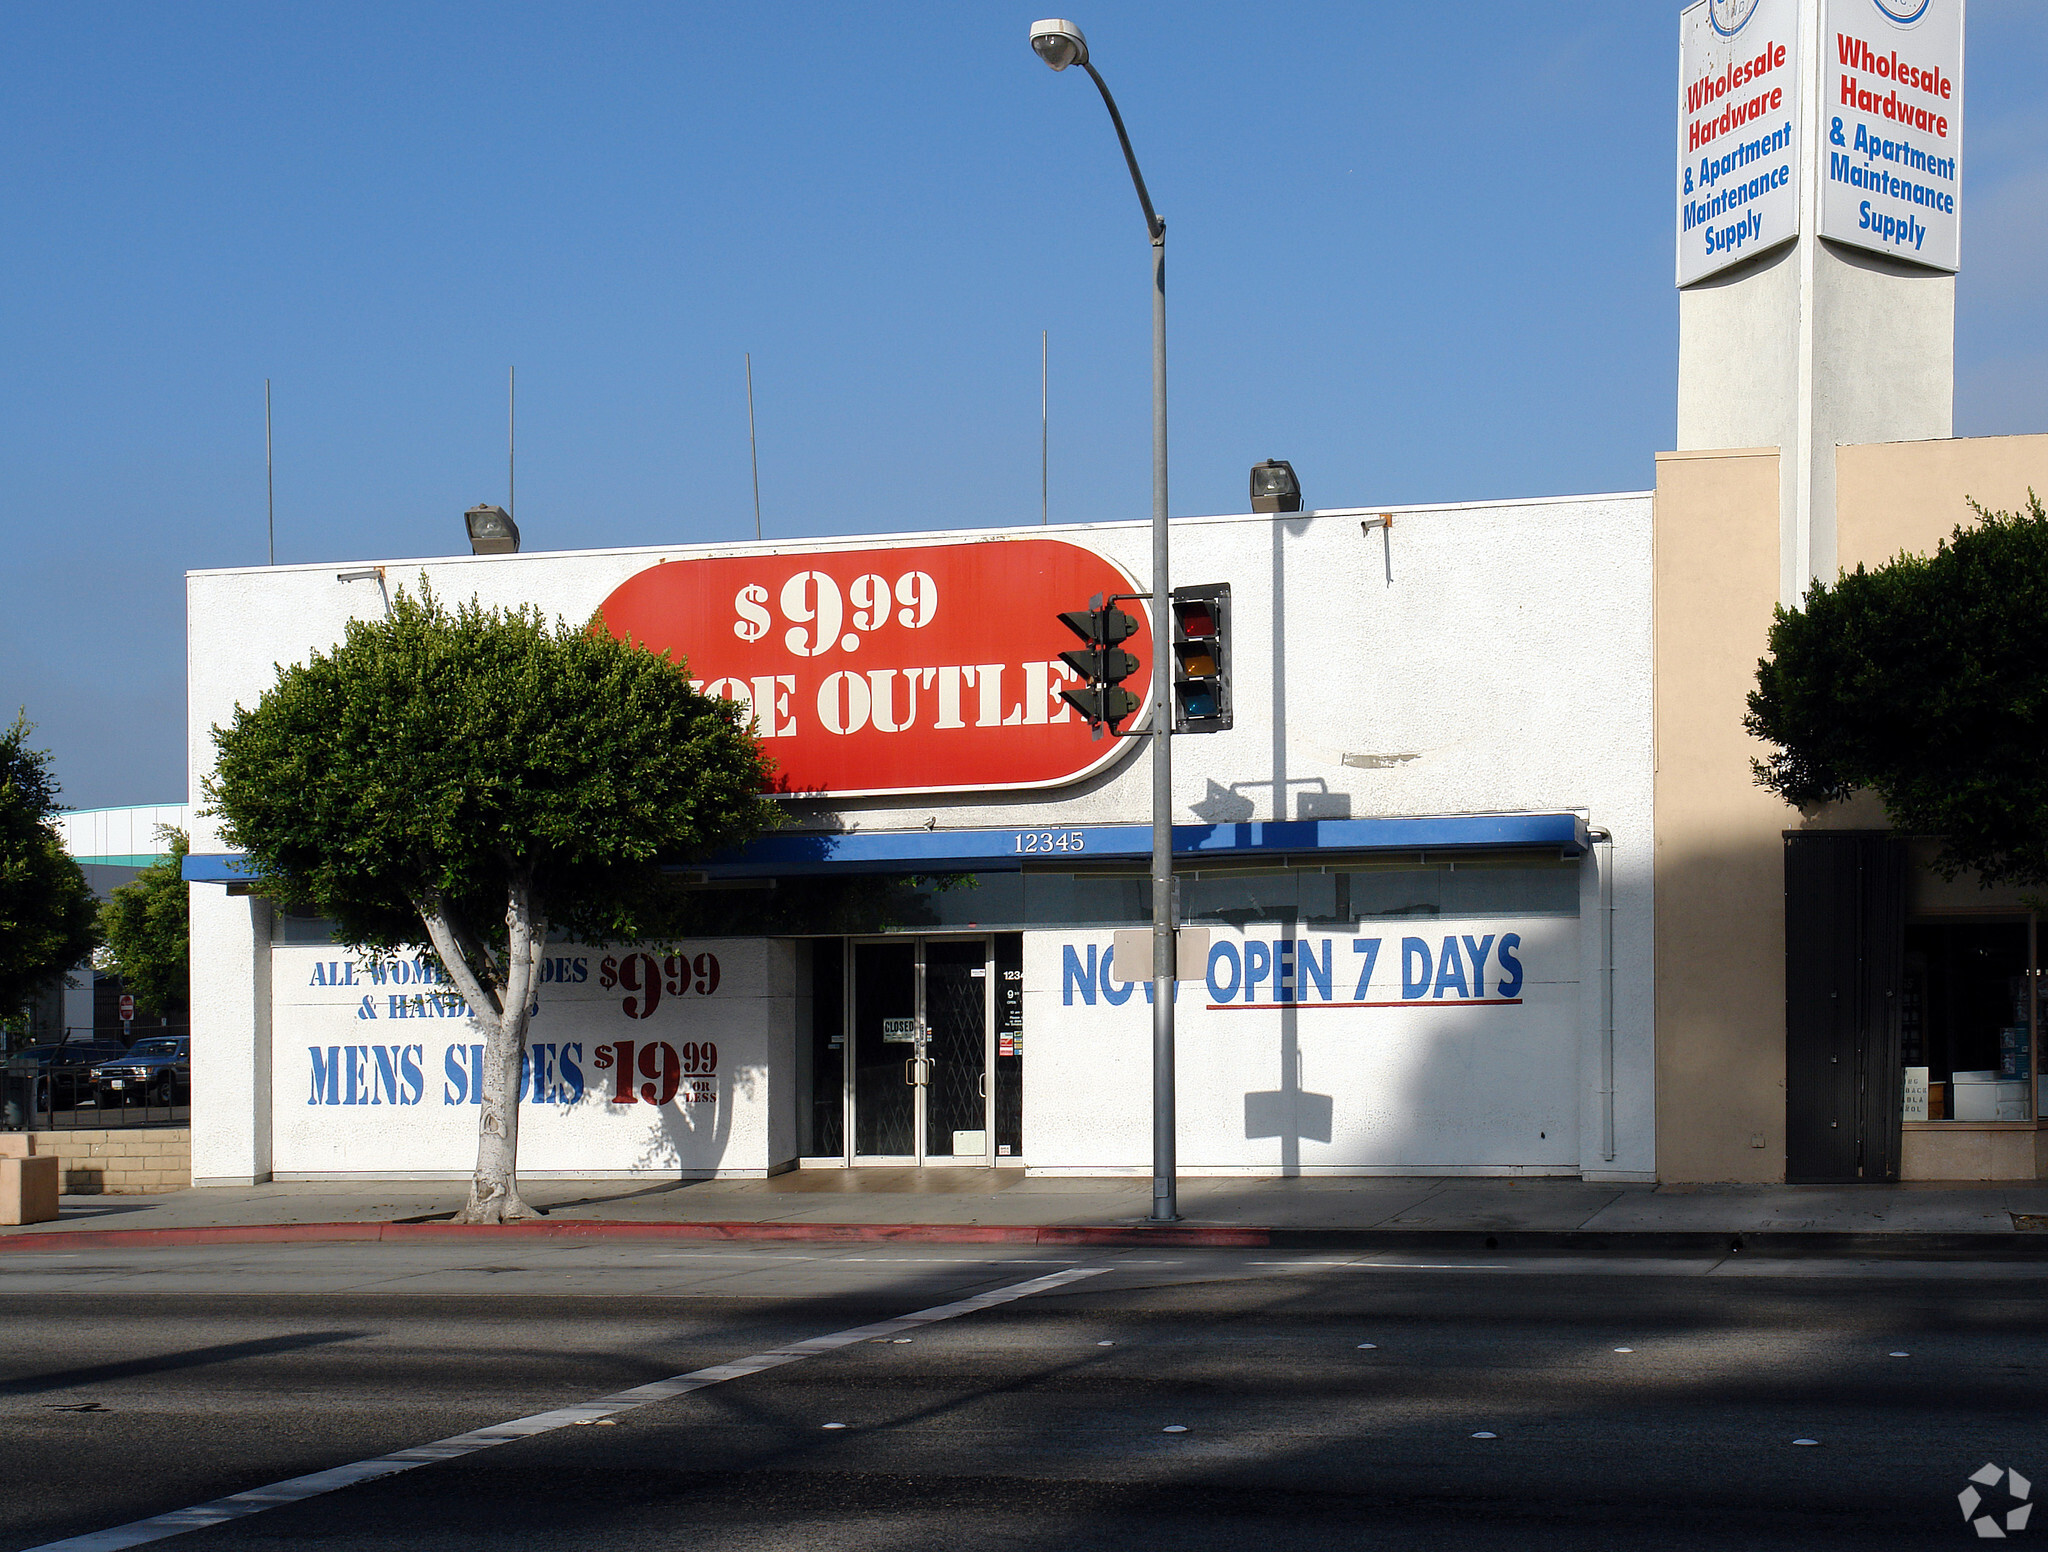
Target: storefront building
{"x": 1490, "y": 885}
{"x": 1421, "y": 961}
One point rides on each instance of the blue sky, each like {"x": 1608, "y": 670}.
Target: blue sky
{"x": 1421, "y": 250}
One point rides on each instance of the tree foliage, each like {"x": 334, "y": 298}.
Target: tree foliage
{"x": 47, "y": 911}
{"x": 147, "y": 925}
{"x": 467, "y": 781}
{"x": 1926, "y": 681}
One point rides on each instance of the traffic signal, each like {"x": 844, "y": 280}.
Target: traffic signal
{"x": 1102, "y": 665}
{"x": 1201, "y": 658}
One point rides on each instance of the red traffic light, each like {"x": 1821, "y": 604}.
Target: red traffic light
{"x": 1100, "y": 627}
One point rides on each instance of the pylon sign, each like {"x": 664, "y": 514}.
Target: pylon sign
{"x": 899, "y": 669}
{"x": 1739, "y": 150}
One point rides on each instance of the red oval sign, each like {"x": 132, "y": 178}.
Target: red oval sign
{"x": 914, "y": 668}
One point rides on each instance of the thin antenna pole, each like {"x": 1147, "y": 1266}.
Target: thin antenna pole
{"x": 269, "y": 473}
{"x": 512, "y": 443}
{"x": 1044, "y": 435}
{"x": 753, "y": 451}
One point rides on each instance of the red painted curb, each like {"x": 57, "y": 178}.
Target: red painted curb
{"x": 217, "y": 1234}
{"x": 1190, "y": 1235}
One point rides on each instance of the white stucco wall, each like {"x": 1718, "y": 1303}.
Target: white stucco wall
{"x": 1810, "y": 348}
{"x": 1388, "y": 1050}
{"x": 1475, "y": 658}
{"x": 1504, "y": 667}
{"x": 231, "y": 981}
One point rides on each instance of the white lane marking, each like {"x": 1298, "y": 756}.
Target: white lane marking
{"x": 295, "y": 1490}
{"x": 953, "y": 1260}
{"x": 713, "y": 1255}
{"x": 1397, "y": 1266}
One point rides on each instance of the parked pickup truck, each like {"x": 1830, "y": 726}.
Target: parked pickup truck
{"x": 156, "y": 1070}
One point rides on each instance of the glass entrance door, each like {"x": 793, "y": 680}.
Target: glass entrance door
{"x": 919, "y": 1030}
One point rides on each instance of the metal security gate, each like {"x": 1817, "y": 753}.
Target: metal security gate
{"x": 1845, "y": 924}
{"x": 920, "y": 1029}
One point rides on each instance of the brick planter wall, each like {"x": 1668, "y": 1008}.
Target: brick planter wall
{"x": 131, "y": 1161}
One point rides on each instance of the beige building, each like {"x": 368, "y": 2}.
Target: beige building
{"x": 1827, "y": 1008}
{"x": 1744, "y": 1067}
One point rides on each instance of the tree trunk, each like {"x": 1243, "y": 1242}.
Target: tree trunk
{"x": 501, "y": 1015}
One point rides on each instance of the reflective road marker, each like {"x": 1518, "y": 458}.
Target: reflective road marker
{"x": 297, "y": 1489}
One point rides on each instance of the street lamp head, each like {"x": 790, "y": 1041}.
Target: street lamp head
{"x": 1059, "y": 43}
{"x": 1274, "y": 487}
{"x": 491, "y": 531}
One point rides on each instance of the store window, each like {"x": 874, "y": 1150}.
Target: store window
{"x": 1288, "y": 889}
{"x": 1968, "y": 1030}
{"x": 1332, "y": 893}
{"x": 296, "y": 926}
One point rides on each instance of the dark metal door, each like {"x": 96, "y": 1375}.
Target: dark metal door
{"x": 1845, "y": 918}
{"x": 956, "y": 1019}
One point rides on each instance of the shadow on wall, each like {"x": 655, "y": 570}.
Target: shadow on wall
{"x": 1234, "y": 805}
{"x": 690, "y": 1136}
{"x": 1428, "y": 1076}
{"x": 1289, "y": 1114}
{"x": 693, "y": 1138}
{"x": 1292, "y": 1113}
{"x": 1720, "y": 1002}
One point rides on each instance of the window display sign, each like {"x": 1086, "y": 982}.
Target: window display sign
{"x": 911, "y": 668}
{"x": 1738, "y": 141}
{"x": 1913, "y": 1095}
{"x": 1892, "y": 127}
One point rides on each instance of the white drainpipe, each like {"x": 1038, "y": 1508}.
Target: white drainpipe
{"x": 1606, "y": 865}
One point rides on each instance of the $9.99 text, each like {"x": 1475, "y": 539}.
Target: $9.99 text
{"x": 645, "y": 978}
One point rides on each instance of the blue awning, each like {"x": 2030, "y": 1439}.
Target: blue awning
{"x": 217, "y": 868}
{"x": 1009, "y": 850}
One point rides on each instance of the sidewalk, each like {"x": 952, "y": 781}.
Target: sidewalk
{"x": 982, "y": 1205}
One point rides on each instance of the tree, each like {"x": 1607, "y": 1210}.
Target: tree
{"x": 464, "y": 783}
{"x": 46, "y": 907}
{"x": 1925, "y": 681}
{"x": 148, "y": 928}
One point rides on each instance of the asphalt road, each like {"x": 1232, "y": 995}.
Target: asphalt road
{"x": 135, "y": 1383}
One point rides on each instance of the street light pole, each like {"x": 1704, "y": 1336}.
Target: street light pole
{"x": 1060, "y": 44}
